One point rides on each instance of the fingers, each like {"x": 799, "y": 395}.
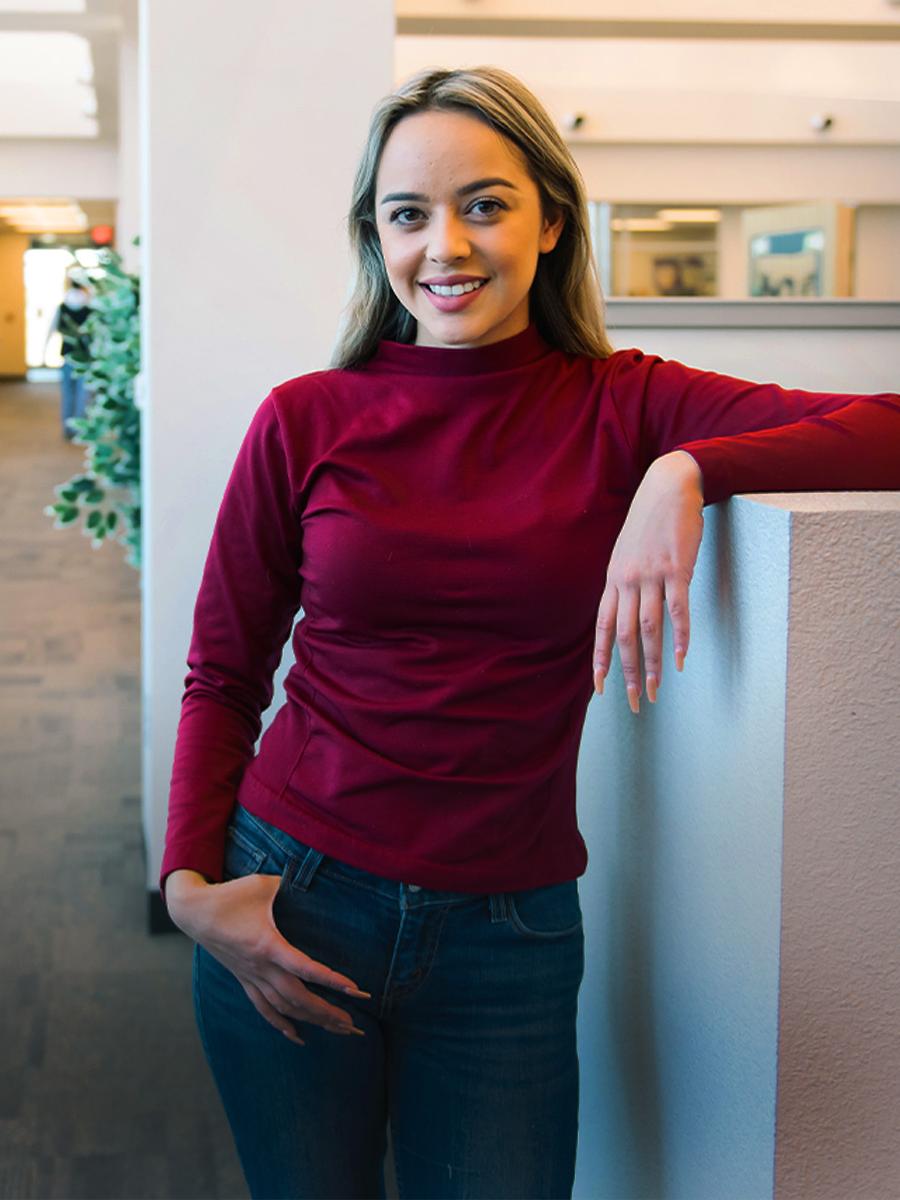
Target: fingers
{"x": 651, "y": 631}
{"x": 281, "y": 999}
{"x": 606, "y": 632}
{"x": 267, "y": 966}
{"x": 632, "y": 616}
{"x": 270, "y": 1013}
{"x": 295, "y": 962}
{"x": 629, "y": 645}
{"x": 679, "y": 614}
{"x": 292, "y": 999}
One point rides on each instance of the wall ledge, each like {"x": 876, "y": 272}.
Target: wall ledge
{"x": 696, "y": 312}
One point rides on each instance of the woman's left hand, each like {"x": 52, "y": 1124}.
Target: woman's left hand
{"x": 652, "y": 562}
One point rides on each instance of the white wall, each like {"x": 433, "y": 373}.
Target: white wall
{"x": 58, "y": 167}
{"x": 244, "y": 277}
{"x": 739, "y": 174}
{"x": 859, "y": 360}
{"x": 682, "y": 817}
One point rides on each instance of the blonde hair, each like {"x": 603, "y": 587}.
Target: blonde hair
{"x": 566, "y": 302}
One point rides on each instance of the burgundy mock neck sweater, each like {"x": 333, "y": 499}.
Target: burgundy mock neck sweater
{"x": 444, "y": 519}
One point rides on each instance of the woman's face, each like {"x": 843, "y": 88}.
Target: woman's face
{"x": 454, "y": 203}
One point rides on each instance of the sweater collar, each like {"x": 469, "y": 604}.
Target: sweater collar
{"x": 517, "y": 351}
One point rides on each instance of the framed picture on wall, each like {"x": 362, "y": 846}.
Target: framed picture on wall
{"x": 798, "y": 250}
{"x": 684, "y": 274}
{"x": 787, "y": 264}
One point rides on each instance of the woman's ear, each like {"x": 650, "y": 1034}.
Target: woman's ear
{"x": 551, "y": 229}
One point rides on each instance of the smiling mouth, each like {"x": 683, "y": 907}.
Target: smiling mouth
{"x": 456, "y": 289}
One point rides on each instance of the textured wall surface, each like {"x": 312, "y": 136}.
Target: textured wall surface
{"x": 838, "y": 1108}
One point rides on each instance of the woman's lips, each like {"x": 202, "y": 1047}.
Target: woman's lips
{"x": 453, "y": 303}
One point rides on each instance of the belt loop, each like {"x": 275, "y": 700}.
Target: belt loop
{"x": 499, "y": 910}
{"x": 306, "y": 869}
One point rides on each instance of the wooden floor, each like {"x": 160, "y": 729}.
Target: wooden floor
{"x": 104, "y": 1091}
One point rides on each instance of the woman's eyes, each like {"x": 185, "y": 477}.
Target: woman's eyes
{"x": 493, "y": 207}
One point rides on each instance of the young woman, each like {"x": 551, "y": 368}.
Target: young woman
{"x": 477, "y": 495}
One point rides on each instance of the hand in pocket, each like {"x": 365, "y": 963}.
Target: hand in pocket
{"x": 233, "y": 921}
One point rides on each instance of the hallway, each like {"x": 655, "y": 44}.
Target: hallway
{"x": 104, "y": 1091}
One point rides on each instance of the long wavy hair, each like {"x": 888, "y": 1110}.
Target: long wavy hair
{"x": 565, "y": 300}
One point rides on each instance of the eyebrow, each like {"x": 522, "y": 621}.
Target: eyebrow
{"x": 494, "y": 181}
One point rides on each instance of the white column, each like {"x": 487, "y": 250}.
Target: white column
{"x": 253, "y": 119}
{"x": 738, "y": 1020}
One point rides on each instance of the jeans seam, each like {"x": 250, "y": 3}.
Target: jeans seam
{"x": 198, "y": 1012}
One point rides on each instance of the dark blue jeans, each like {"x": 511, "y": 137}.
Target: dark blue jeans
{"x": 469, "y": 1049}
{"x": 73, "y": 395}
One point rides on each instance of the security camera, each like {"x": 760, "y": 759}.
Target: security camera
{"x": 573, "y": 121}
{"x": 820, "y": 122}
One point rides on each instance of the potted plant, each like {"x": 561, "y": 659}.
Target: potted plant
{"x": 107, "y": 493}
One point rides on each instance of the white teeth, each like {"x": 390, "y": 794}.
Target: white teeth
{"x": 457, "y": 289}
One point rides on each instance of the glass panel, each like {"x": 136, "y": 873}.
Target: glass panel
{"x": 739, "y": 252}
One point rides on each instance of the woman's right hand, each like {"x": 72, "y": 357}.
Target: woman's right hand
{"x": 233, "y": 921}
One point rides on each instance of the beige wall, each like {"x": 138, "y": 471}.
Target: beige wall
{"x": 12, "y": 303}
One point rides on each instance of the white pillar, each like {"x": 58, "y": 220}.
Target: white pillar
{"x": 252, "y": 123}
{"x": 738, "y": 1020}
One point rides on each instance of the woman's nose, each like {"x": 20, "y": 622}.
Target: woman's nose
{"x": 447, "y": 240}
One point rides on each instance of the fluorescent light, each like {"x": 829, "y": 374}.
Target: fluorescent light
{"x": 37, "y": 216}
{"x": 696, "y": 216}
{"x": 639, "y": 225}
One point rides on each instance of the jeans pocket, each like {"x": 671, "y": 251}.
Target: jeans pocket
{"x": 242, "y": 856}
{"x": 249, "y": 850}
{"x": 553, "y": 911}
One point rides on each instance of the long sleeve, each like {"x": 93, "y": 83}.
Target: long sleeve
{"x": 760, "y": 437}
{"x": 249, "y": 595}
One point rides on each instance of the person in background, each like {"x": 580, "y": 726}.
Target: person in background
{"x": 68, "y": 320}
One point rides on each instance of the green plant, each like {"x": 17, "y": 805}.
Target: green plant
{"x": 107, "y": 494}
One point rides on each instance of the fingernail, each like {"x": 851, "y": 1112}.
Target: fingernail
{"x": 651, "y": 688}
{"x": 634, "y": 698}
{"x": 355, "y": 991}
{"x": 598, "y": 682}
{"x": 679, "y": 658}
